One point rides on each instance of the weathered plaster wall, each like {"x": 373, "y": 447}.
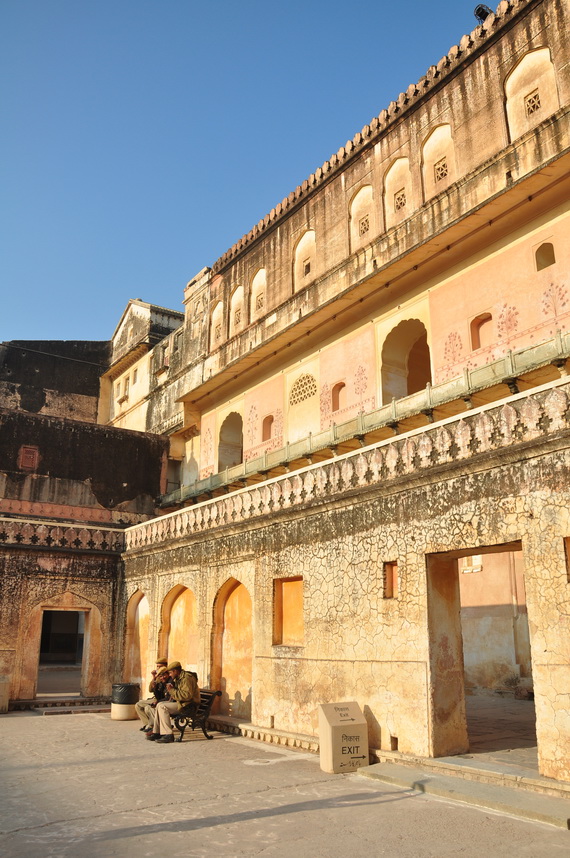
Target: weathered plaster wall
{"x": 33, "y": 580}
{"x": 53, "y": 378}
{"x": 82, "y": 472}
{"x": 497, "y": 477}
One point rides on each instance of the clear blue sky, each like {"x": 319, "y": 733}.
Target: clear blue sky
{"x": 141, "y": 138}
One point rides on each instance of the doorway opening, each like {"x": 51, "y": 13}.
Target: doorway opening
{"x": 61, "y": 653}
{"x": 480, "y": 654}
{"x": 496, "y": 652}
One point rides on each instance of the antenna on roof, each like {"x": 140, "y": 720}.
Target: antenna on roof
{"x": 482, "y": 12}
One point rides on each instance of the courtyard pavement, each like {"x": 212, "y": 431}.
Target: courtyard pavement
{"x": 83, "y": 785}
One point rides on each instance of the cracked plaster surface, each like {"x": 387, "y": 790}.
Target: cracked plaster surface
{"x": 358, "y": 644}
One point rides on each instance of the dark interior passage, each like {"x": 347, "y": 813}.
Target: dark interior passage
{"x": 61, "y": 652}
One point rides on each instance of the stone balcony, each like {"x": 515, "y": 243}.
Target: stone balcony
{"x": 489, "y": 382}
{"x": 23, "y": 533}
{"x": 528, "y": 417}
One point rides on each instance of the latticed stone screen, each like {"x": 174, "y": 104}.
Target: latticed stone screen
{"x": 440, "y": 170}
{"x": 304, "y": 388}
{"x": 399, "y": 200}
{"x": 532, "y": 102}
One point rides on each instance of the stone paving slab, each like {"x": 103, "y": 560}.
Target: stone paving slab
{"x": 96, "y": 788}
{"x": 517, "y": 802}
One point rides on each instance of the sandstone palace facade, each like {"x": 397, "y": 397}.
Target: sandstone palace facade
{"x": 344, "y": 471}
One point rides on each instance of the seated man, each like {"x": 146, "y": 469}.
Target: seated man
{"x": 183, "y": 690}
{"x": 157, "y": 687}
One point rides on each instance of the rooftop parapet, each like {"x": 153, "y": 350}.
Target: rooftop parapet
{"x": 468, "y": 46}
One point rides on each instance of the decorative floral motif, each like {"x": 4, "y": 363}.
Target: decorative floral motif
{"x": 453, "y": 348}
{"x": 208, "y": 446}
{"x": 326, "y": 406}
{"x": 508, "y": 321}
{"x": 554, "y": 300}
{"x": 278, "y": 425}
{"x": 251, "y": 425}
{"x": 360, "y": 381}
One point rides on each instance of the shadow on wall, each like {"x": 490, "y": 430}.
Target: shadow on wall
{"x": 236, "y": 706}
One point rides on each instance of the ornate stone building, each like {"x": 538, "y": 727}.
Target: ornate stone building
{"x": 367, "y": 406}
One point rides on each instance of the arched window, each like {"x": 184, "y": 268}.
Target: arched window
{"x": 258, "y": 298}
{"x": 398, "y": 202}
{"x": 482, "y": 331}
{"x": 545, "y": 256}
{"x": 267, "y": 428}
{"x": 361, "y": 218}
{"x": 230, "y": 445}
{"x": 304, "y": 262}
{"x": 237, "y": 314}
{"x": 438, "y": 161}
{"x": 338, "y": 396}
{"x": 406, "y": 365}
{"x": 531, "y": 92}
{"x": 217, "y": 326}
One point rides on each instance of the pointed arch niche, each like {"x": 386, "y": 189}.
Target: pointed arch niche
{"x": 531, "y": 93}
{"x": 398, "y": 201}
{"x": 438, "y": 161}
{"x": 362, "y": 222}
{"x": 305, "y": 260}
{"x": 232, "y": 649}
{"x": 406, "y": 364}
{"x": 237, "y": 312}
{"x": 258, "y": 299}
{"x": 179, "y": 635}
{"x": 137, "y": 656}
{"x": 217, "y": 326}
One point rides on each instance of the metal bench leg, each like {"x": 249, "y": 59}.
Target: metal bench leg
{"x": 203, "y": 725}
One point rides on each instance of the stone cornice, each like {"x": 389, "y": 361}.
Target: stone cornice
{"x": 527, "y": 417}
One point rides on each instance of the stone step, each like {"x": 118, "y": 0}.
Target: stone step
{"x": 76, "y": 710}
{"x": 522, "y": 803}
{"x": 57, "y": 703}
{"x": 477, "y": 768}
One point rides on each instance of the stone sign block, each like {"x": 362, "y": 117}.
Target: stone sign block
{"x": 343, "y": 737}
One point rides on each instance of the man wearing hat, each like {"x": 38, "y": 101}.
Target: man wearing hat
{"x": 182, "y": 690}
{"x": 157, "y": 687}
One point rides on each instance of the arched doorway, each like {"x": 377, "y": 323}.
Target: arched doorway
{"x": 406, "y": 365}
{"x": 179, "y": 637}
{"x": 232, "y": 649}
{"x": 93, "y": 683}
{"x": 137, "y": 663}
{"x": 230, "y": 444}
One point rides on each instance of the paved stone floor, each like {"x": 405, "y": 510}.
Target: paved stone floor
{"x": 502, "y": 730}
{"x": 57, "y": 680}
{"x": 83, "y": 785}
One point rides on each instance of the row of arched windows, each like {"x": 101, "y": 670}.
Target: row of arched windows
{"x": 530, "y": 96}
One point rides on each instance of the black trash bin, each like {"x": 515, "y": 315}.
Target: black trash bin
{"x": 123, "y": 698}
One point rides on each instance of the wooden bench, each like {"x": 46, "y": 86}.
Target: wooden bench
{"x": 189, "y": 716}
